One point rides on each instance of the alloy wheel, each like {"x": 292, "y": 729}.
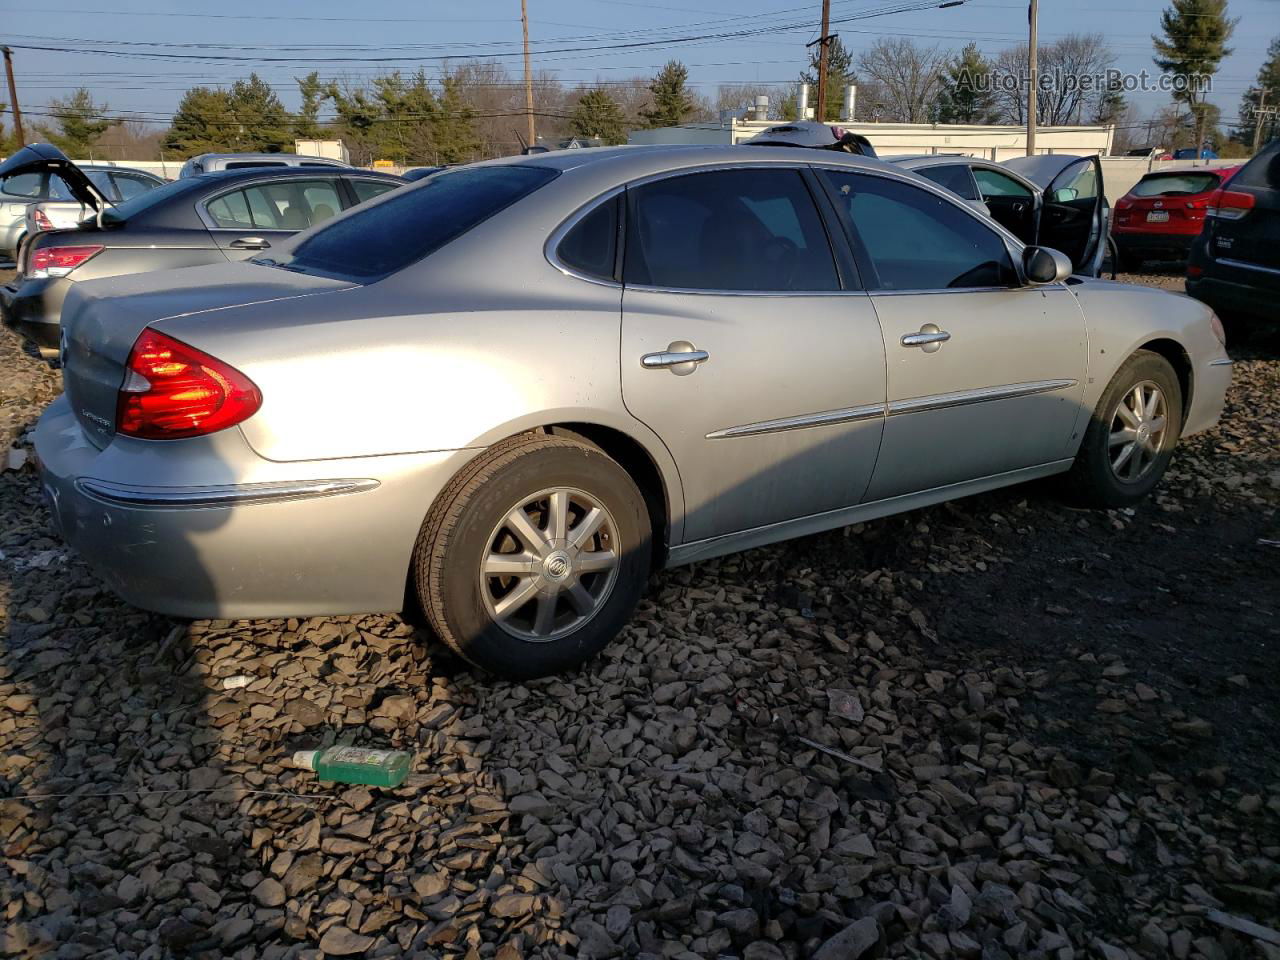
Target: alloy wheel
{"x": 1139, "y": 429}
{"x": 550, "y": 564}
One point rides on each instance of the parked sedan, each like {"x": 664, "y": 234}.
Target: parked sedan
{"x": 211, "y": 218}
{"x": 114, "y": 184}
{"x": 1234, "y": 264}
{"x": 1164, "y": 212}
{"x": 1056, "y": 200}
{"x": 519, "y": 386}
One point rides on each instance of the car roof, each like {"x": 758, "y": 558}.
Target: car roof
{"x": 928, "y": 159}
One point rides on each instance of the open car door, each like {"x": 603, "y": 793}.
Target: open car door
{"x": 1073, "y": 209}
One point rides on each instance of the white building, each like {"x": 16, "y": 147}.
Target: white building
{"x": 992, "y": 142}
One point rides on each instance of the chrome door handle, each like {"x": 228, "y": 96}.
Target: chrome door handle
{"x": 930, "y": 338}
{"x": 249, "y": 243}
{"x": 680, "y": 357}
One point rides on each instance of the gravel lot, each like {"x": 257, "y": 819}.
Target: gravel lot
{"x": 995, "y": 728}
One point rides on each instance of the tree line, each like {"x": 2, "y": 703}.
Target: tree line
{"x": 475, "y": 109}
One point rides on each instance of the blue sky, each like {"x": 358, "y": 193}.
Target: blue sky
{"x": 331, "y": 31}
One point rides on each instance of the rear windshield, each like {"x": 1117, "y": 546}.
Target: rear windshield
{"x": 151, "y": 198}
{"x": 409, "y": 224}
{"x": 1173, "y": 184}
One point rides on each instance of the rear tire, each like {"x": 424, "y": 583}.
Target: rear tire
{"x": 1131, "y": 435}
{"x": 534, "y": 557}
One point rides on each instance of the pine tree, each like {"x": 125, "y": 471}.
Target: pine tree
{"x": 671, "y": 100}
{"x": 80, "y": 124}
{"x": 262, "y": 123}
{"x": 203, "y": 123}
{"x": 1194, "y": 43}
{"x": 840, "y": 74}
{"x": 598, "y": 115}
{"x": 1268, "y": 81}
{"x": 306, "y": 124}
{"x": 966, "y": 95}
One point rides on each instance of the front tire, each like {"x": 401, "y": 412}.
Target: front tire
{"x": 534, "y": 557}
{"x": 1131, "y": 435}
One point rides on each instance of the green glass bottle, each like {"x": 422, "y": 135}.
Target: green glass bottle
{"x": 376, "y": 768}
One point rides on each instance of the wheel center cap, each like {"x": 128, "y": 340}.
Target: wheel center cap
{"x": 1144, "y": 432}
{"x": 557, "y": 567}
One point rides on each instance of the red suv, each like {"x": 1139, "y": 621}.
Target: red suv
{"x": 1164, "y": 212}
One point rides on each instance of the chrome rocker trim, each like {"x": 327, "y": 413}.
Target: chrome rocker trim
{"x": 229, "y": 495}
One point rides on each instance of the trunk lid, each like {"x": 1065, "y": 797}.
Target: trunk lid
{"x": 46, "y": 157}
{"x": 101, "y": 319}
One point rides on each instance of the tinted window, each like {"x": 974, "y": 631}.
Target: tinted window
{"x": 99, "y": 178}
{"x": 591, "y": 247}
{"x": 729, "y": 230}
{"x": 954, "y": 177}
{"x": 22, "y": 185}
{"x": 241, "y": 164}
{"x": 58, "y": 189}
{"x": 132, "y": 186}
{"x": 405, "y": 227}
{"x": 1262, "y": 171}
{"x": 915, "y": 240}
{"x": 368, "y": 189}
{"x": 991, "y": 183}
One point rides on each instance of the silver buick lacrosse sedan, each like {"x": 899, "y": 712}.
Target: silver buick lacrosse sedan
{"x": 510, "y": 392}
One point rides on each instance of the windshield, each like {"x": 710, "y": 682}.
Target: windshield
{"x": 1173, "y": 184}
{"x": 151, "y": 198}
{"x": 409, "y": 224}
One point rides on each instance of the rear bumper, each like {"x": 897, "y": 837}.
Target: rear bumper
{"x": 34, "y": 309}
{"x": 207, "y": 529}
{"x": 1138, "y": 242}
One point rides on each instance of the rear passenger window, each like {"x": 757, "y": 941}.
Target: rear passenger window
{"x": 915, "y": 240}
{"x": 230, "y": 211}
{"x": 730, "y": 230}
{"x": 368, "y": 189}
{"x": 131, "y": 186}
{"x": 954, "y": 177}
{"x": 591, "y": 246}
{"x": 25, "y": 185}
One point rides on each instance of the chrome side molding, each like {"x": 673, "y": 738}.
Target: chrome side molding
{"x": 868, "y": 411}
{"x": 963, "y": 398}
{"x": 228, "y": 495}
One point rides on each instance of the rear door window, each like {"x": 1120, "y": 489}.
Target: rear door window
{"x": 731, "y": 230}
{"x": 131, "y": 186}
{"x": 231, "y": 211}
{"x": 380, "y": 239}
{"x": 368, "y": 189}
{"x": 24, "y": 185}
{"x": 954, "y": 177}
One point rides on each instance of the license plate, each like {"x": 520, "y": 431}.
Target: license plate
{"x": 1158, "y": 216}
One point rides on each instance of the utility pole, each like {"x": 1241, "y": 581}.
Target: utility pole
{"x": 1033, "y": 71}
{"x": 824, "y": 41}
{"x": 13, "y": 97}
{"x": 528, "y": 73}
{"x": 1261, "y": 113}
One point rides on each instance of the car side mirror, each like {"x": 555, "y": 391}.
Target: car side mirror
{"x": 1045, "y": 265}
{"x": 1065, "y": 194}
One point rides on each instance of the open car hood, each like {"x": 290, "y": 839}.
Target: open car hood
{"x": 45, "y": 156}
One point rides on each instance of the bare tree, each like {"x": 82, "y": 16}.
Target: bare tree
{"x": 910, "y": 77}
{"x": 1071, "y": 72}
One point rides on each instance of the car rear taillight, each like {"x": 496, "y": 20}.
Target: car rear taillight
{"x": 1229, "y": 204}
{"x": 42, "y": 220}
{"x": 1124, "y": 203}
{"x": 60, "y": 261}
{"x": 172, "y": 390}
